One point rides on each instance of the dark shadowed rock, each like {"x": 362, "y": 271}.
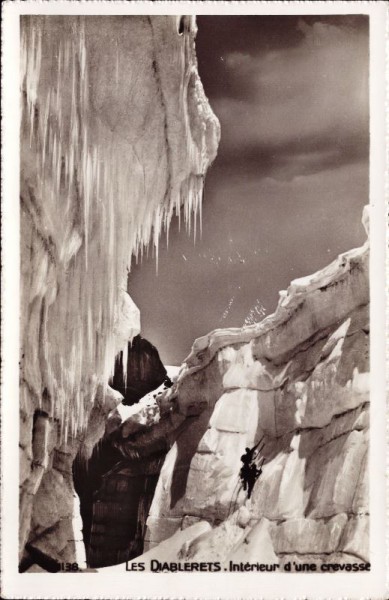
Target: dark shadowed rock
{"x": 145, "y": 371}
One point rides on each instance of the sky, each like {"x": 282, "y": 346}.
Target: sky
{"x": 285, "y": 194}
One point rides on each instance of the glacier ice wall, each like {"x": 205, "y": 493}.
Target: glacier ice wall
{"x": 116, "y": 135}
{"x": 298, "y": 380}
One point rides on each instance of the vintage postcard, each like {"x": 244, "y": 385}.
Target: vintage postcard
{"x": 193, "y": 250}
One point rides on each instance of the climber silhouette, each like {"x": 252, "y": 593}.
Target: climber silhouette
{"x": 253, "y": 475}
{"x": 249, "y": 472}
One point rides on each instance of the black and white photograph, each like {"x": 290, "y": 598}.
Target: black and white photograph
{"x": 198, "y": 330}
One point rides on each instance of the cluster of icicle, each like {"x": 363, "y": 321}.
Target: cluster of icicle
{"x": 92, "y": 200}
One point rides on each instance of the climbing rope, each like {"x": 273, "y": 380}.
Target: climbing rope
{"x": 239, "y": 486}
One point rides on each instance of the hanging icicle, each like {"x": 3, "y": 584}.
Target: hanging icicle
{"x": 97, "y": 205}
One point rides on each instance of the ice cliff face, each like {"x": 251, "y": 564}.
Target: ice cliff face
{"x": 116, "y": 135}
{"x": 299, "y": 380}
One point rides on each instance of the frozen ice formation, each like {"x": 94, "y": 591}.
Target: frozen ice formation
{"x": 116, "y": 136}
{"x": 299, "y": 379}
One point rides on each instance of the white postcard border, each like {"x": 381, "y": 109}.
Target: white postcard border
{"x": 188, "y": 585}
